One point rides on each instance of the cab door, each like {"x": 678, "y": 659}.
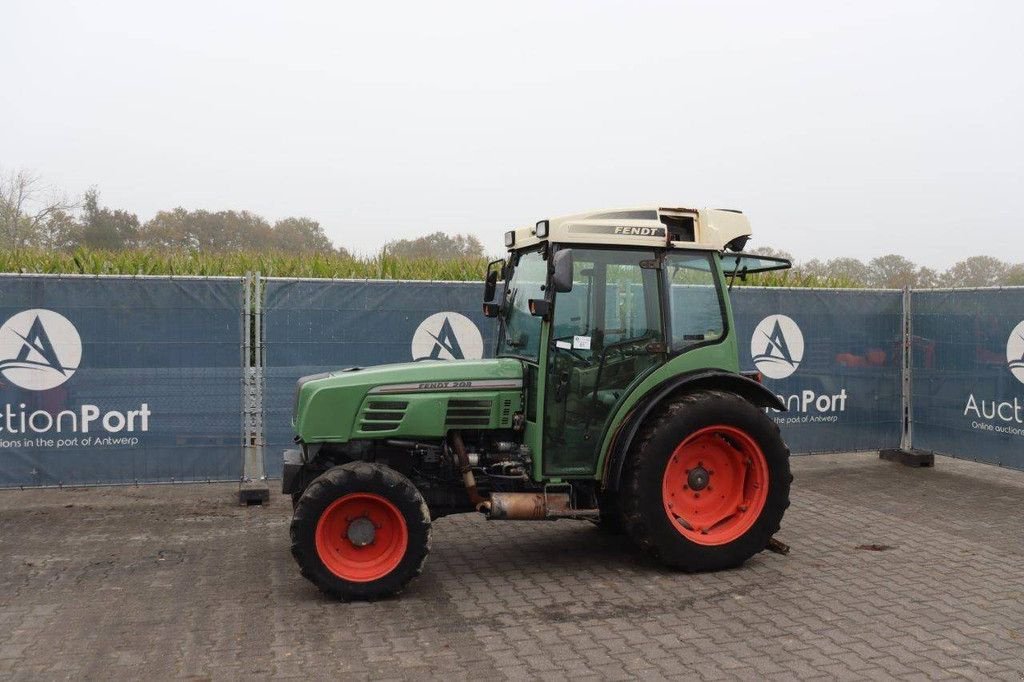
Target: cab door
{"x": 606, "y": 333}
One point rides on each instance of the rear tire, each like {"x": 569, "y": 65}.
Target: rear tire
{"x": 360, "y": 531}
{"x": 706, "y": 482}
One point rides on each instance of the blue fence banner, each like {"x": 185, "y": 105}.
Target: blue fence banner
{"x": 140, "y": 379}
{"x": 833, "y": 356}
{"x": 967, "y": 374}
{"x": 119, "y": 379}
{"x": 313, "y": 326}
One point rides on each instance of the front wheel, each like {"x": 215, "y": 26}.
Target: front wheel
{"x": 360, "y": 531}
{"x": 707, "y": 482}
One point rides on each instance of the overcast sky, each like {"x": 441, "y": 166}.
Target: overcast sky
{"x": 840, "y": 128}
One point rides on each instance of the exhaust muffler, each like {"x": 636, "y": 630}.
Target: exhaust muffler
{"x": 535, "y": 507}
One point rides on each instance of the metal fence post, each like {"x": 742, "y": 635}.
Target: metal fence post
{"x": 246, "y": 351}
{"x": 907, "y": 443}
{"x": 254, "y": 488}
{"x": 905, "y": 453}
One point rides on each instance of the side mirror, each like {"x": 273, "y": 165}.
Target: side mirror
{"x": 561, "y": 280}
{"x": 491, "y": 309}
{"x": 539, "y": 307}
{"x": 494, "y": 271}
{"x": 490, "y": 285}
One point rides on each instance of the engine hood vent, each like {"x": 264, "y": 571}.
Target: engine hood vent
{"x": 469, "y": 413}
{"x": 383, "y": 415}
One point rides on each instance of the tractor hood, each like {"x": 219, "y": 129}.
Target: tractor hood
{"x": 327, "y": 405}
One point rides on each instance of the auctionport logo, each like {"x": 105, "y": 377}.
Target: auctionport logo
{"x": 1015, "y": 352}
{"x": 999, "y": 415}
{"x": 39, "y": 349}
{"x": 777, "y": 349}
{"x": 447, "y": 336}
{"x": 777, "y": 346}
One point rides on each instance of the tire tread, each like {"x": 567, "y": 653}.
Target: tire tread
{"x": 360, "y": 477}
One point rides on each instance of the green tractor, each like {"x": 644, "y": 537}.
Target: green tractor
{"x": 615, "y": 395}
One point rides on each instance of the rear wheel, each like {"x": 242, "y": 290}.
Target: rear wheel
{"x": 360, "y": 531}
{"x": 707, "y": 482}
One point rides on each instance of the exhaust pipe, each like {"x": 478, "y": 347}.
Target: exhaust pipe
{"x": 535, "y": 507}
{"x": 478, "y": 501}
{"x": 525, "y": 506}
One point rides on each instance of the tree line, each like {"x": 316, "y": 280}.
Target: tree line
{"x": 36, "y": 217}
{"x": 893, "y": 271}
{"x": 33, "y": 216}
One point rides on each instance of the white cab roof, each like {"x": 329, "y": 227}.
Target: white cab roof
{"x": 690, "y": 228}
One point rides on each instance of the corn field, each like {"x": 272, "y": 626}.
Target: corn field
{"x": 320, "y": 265}
{"x": 141, "y": 262}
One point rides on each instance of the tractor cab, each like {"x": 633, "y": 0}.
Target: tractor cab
{"x": 594, "y": 304}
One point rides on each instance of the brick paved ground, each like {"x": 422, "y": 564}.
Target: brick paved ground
{"x": 165, "y": 582}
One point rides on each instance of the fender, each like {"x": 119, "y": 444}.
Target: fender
{"x": 692, "y": 381}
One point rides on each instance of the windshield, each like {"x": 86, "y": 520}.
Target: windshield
{"x": 520, "y": 333}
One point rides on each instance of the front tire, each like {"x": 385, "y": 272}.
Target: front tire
{"x": 360, "y": 531}
{"x": 707, "y": 482}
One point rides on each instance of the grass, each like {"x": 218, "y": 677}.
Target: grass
{"x": 326, "y": 266}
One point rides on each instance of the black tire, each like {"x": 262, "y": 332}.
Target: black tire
{"x": 295, "y": 500}
{"x": 360, "y": 477}
{"x": 644, "y": 514}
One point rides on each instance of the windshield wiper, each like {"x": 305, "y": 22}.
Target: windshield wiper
{"x": 506, "y": 308}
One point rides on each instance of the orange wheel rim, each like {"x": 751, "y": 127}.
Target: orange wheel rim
{"x": 361, "y": 537}
{"x": 715, "y": 485}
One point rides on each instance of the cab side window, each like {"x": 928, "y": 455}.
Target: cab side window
{"x": 697, "y": 310}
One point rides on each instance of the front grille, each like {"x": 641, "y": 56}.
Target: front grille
{"x": 382, "y": 426}
{"x": 383, "y": 415}
{"x": 387, "y": 405}
{"x": 462, "y": 413}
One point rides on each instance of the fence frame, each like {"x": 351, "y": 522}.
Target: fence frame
{"x": 123, "y": 276}
{"x": 907, "y": 453}
{"x": 253, "y": 488}
{"x": 907, "y": 437}
{"x": 253, "y": 483}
